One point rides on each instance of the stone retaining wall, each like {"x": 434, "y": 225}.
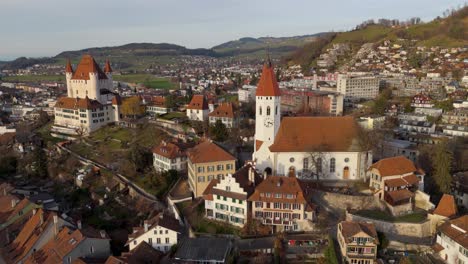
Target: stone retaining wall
{"x": 415, "y": 230}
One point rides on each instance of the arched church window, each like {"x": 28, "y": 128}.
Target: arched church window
{"x": 260, "y": 110}
{"x": 268, "y": 110}
{"x": 276, "y": 110}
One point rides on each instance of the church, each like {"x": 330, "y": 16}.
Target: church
{"x": 324, "y": 148}
{"x": 90, "y": 102}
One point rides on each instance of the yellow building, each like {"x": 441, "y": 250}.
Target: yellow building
{"x": 208, "y": 161}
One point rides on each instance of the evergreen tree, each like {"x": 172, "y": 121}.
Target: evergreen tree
{"x": 219, "y": 131}
{"x": 442, "y": 164}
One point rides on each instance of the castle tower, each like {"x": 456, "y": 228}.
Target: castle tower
{"x": 108, "y": 70}
{"x": 68, "y": 77}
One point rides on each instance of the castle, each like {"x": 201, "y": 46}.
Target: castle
{"x": 90, "y": 102}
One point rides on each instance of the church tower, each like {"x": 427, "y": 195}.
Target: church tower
{"x": 267, "y": 118}
{"x": 268, "y": 106}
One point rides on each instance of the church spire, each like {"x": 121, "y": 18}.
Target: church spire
{"x": 268, "y": 85}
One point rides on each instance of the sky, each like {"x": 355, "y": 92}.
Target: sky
{"x": 36, "y": 28}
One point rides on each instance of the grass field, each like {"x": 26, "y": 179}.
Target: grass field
{"x": 148, "y": 80}
{"x": 35, "y": 78}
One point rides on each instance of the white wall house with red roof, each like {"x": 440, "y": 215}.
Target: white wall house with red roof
{"x": 197, "y": 109}
{"x": 90, "y": 102}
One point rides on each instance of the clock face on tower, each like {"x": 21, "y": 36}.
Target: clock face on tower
{"x": 268, "y": 122}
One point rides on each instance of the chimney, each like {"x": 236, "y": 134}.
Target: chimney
{"x": 146, "y": 225}
{"x": 13, "y": 203}
{"x": 78, "y": 224}
{"x": 251, "y": 175}
{"x": 41, "y": 217}
{"x": 103, "y": 233}
{"x": 161, "y": 215}
{"x": 34, "y": 211}
{"x": 55, "y": 225}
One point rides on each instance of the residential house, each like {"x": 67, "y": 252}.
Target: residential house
{"x": 455, "y": 130}
{"x": 161, "y": 232}
{"x": 281, "y": 202}
{"x": 197, "y": 109}
{"x": 13, "y": 214}
{"x": 456, "y": 117}
{"x": 208, "y": 161}
{"x": 226, "y": 199}
{"x": 423, "y": 127}
{"x": 422, "y": 101}
{"x": 395, "y": 181}
{"x": 358, "y": 242}
{"x": 69, "y": 245}
{"x": 452, "y": 241}
{"x": 157, "y": 106}
{"x": 203, "y": 250}
{"x": 170, "y": 155}
{"x": 460, "y": 189}
{"x": 143, "y": 253}
{"x": 224, "y": 112}
{"x": 36, "y": 232}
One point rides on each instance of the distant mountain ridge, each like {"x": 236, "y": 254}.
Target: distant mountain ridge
{"x": 135, "y": 54}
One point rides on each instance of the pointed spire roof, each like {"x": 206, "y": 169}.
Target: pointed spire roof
{"x": 107, "y": 67}
{"x": 69, "y": 68}
{"x": 268, "y": 85}
{"x": 86, "y": 66}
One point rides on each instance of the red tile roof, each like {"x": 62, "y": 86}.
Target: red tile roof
{"x": 86, "y": 66}
{"x": 258, "y": 144}
{"x": 268, "y": 85}
{"x": 223, "y": 110}
{"x": 279, "y": 184}
{"x": 452, "y": 228}
{"x": 77, "y": 103}
{"x": 117, "y": 100}
{"x": 107, "y": 67}
{"x": 394, "y": 166}
{"x": 208, "y": 152}
{"x": 198, "y": 102}
{"x": 170, "y": 150}
{"x": 57, "y": 248}
{"x": 350, "y": 228}
{"x": 29, "y": 235}
{"x": 69, "y": 68}
{"x": 446, "y": 207}
{"x": 399, "y": 195}
{"x": 305, "y": 134}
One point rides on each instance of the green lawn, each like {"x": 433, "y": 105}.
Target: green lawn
{"x": 172, "y": 115}
{"x": 147, "y": 79}
{"x": 34, "y": 78}
{"x": 415, "y": 217}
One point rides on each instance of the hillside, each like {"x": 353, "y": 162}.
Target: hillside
{"x": 139, "y": 56}
{"x": 277, "y": 46}
{"x": 451, "y": 31}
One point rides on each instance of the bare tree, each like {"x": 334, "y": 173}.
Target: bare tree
{"x": 318, "y": 163}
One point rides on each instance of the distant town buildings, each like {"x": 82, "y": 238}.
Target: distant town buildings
{"x": 358, "y": 87}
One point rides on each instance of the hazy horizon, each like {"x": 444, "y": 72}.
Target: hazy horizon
{"x": 46, "y": 28}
